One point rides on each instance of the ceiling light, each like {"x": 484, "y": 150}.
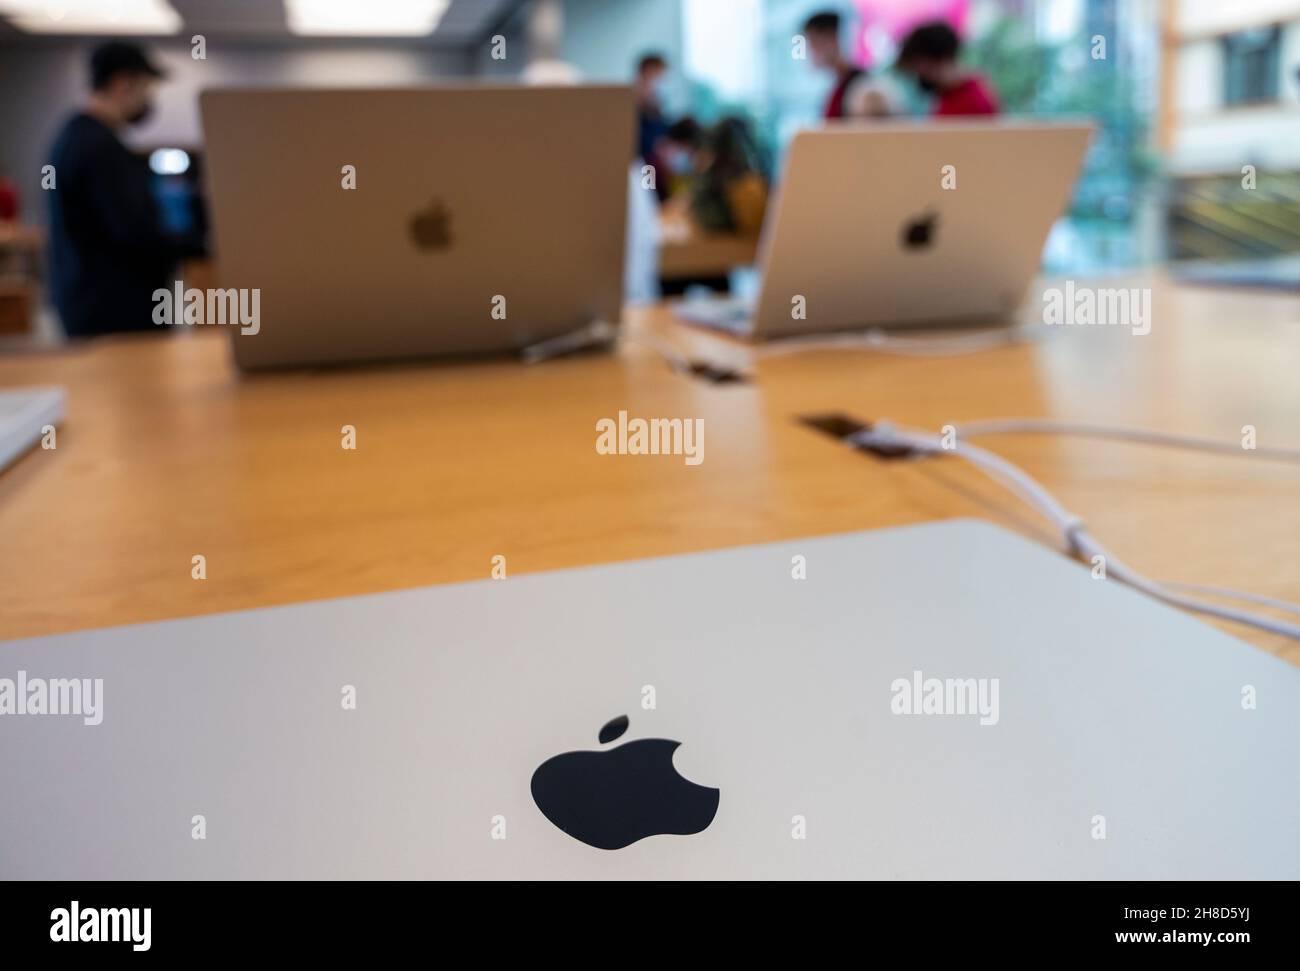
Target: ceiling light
{"x": 125, "y": 17}
{"x": 374, "y": 18}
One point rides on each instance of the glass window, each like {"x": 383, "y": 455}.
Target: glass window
{"x": 1250, "y": 66}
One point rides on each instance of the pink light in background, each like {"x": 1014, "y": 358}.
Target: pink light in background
{"x": 883, "y": 23}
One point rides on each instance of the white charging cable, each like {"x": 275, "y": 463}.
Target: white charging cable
{"x": 947, "y": 345}
{"x": 872, "y": 340}
{"x": 1226, "y": 594}
{"x": 1079, "y": 541}
{"x": 1017, "y": 426}
{"x": 601, "y": 333}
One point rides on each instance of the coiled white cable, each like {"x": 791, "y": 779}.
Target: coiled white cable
{"x": 1071, "y": 527}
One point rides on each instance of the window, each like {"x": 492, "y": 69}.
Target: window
{"x": 1250, "y": 65}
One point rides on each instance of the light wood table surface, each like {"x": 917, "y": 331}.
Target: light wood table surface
{"x": 685, "y": 250}
{"x": 705, "y": 254}
{"x": 167, "y": 452}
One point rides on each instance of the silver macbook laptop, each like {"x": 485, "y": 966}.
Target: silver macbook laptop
{"x": 941, "y": 701}
{"x": 904, "y": 223}
{"x": 390, "y": 223}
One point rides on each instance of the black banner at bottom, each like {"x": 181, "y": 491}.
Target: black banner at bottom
{"x": 180, "y": 920}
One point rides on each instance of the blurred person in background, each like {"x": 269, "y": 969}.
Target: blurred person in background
{"x": 546, "y": 63}
{"x": 724, "y": 191}
{"x": 729, "y": 191}
{"x": 855, "y": 93}
{"x": 667, "y": 159}
{"x": 930, "y": 56}
{"x": 677, "y": 149}
{"x": 8, "y": 197}
{"x": 109, "y": 250}
{"x": 652, "y": 126}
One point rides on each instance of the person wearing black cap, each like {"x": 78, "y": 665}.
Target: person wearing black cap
{"x": 930, "y": 54}
{"x": 855, "y": 93}
{"x": 108, "y": 249}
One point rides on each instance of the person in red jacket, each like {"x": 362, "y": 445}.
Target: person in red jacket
{"x": 929, "y": 55}
{"x": 855, "y": 93}
{"x": 8, "y": 198}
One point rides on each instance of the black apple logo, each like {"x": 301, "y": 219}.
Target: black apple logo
{"x": 610, "y": 799}
{"x": 431, "y": 226}
{"x": 918, "y": 232}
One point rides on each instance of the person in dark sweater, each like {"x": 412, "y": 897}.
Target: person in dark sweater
{"x": 652, "y": 127}
{"x": 109, "y": 251}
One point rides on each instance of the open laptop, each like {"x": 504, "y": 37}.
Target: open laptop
{"x": 390, "y": 223}
{"x": 940, "y": 701}
{"x": 895, "y": 224}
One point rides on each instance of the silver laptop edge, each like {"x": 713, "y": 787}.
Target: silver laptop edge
{"x": 406, "y": 222}
{"x": 940, "y": 701}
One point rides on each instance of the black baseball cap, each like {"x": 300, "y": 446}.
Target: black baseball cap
{"x": 119, "y": 57}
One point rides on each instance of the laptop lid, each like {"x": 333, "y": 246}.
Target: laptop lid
{"x": 946, "y": 701}
{"x": 908, "y": 223}
{"x": 388, "y": 223}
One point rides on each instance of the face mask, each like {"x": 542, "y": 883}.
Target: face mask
{"x": 140, "y": 115}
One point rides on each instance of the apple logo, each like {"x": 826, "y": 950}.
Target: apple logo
{"x": 610, "y": 799}
{"x": 431, "y": 226}
{"x": 918, "y": 232}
